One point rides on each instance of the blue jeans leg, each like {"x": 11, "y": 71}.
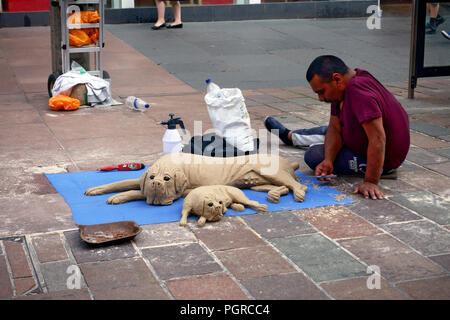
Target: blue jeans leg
{"x": 308, "y": 137}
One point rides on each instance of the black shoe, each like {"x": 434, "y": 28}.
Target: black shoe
{"x": 439, "y": 20}
{"x": 175, "y": 26}
{"x": 158, "y": 27}
{"x": 272, "y": 124}
{"x": 430, "y": 28}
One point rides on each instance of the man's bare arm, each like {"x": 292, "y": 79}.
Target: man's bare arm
{"x": 333, "y": 144}
{"x": 375, "y": 158}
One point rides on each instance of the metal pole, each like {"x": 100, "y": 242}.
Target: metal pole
{"x": 55, "y": 36}
{"x": 412, "y": 80}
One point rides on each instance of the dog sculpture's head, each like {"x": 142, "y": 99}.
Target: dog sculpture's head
{"x": 162, "y": 185}
{"x": 210, "y": 207}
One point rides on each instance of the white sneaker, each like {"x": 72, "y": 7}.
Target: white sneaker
{"x": 445, "y": 34}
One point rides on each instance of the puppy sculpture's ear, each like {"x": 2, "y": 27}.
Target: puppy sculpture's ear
{"x": 180, "y": 181}
{"x": 142, "y": 181}
{"x": 224, "y": 208}
{"x": 197, "y": 207}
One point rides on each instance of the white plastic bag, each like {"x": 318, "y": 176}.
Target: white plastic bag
{"x": 98, "y": 89}
{"x": 76, "y": 67}
{"x": 229, "y": 116}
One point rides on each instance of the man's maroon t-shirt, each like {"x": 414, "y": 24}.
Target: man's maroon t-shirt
{"x": 365, "y": 98}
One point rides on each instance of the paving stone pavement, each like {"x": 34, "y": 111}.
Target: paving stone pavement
{"x": 320, "y": 253}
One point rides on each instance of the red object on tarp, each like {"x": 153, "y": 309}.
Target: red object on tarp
{"x": 26, "y": 5}
{"x": 124, "y": 167}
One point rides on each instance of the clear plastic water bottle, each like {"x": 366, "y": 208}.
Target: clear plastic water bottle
{"x": 136, "y": 104}
{"x": 212, "y": 88}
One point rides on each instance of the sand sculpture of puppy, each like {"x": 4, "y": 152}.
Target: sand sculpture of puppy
{"x": 211, "y": 202}
{"x": 175, "y": 175}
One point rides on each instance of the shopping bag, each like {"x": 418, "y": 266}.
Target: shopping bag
{"x": 85, "y": 36}
{"x": 229, "y": 116}
{"x": 62, "y": 102}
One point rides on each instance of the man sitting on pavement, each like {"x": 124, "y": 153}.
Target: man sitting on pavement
{"x": 368, "y": 131}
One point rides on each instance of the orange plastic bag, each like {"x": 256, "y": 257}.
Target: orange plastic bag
{"x": 80, "y": 37}
{"x": 84, "y": 17}
{"x": 93, "y": 34}
{"x": 61, "y": 102}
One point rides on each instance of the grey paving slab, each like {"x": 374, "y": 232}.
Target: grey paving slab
{"x": 287, "y": 106}
{"x": 277, "y": 225}
{"x": 442, "y": 260}
{"x": 427, "y": 289}
{"x": 442, "y": 168}
{"x": 356, "y": 289}
{"x": 122, "y": 279}
{"x": 444, "y": 152}
{"x": 305, "y": 101}
{"x": 424, "y": 236}
{"x": 163, "y": 234}
{"x": 429, "y": 180}
{"x": 228, "y": 234}
{"x": 181, "y": 260}
{"x": 72, "y": 294}
{"x": 429, "y": 129}
{"x": 396, "y": 261}
{"x": 254, "y": 262}
{"x": 84, "y": 252}
{"x": 291, "y": 286}
{"x": 57, "y": 275}
{"x": 382, "y": 211}
{"x": 319, "y": 258}
{"x": 421, "y": 156}
{"x": 446, "y": 138}
{"x": 427, "y": 204}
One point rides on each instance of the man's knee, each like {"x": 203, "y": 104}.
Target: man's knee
{"x": 314, "y": 155}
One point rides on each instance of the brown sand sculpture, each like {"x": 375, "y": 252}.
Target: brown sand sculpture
{"x": 175, "y": 175}
{"x": 211, "y": 202}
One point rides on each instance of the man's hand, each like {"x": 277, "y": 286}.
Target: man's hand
{"x": 369, "y": 189}
{"x": 324, "y": 168}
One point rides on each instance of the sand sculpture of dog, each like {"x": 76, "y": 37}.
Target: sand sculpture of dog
{"x": 175, "y": 175}
{"x": 211, "y": 202}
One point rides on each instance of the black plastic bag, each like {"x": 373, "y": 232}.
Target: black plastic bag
{"x": 213, "y": 145}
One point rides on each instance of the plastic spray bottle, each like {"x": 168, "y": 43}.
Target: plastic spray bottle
{"x": 172, "y": 141}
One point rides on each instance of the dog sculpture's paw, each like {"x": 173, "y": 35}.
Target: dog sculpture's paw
{"x": 261, "y": 208}
{"x": 273, "y": 196}
{"x": 238, "y": 207}
{"x": 95, "y": 191}
{"x": 116, "y": 199}
{"x": 299, "y": 194}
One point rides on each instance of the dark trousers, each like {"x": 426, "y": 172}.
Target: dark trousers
{"x": 346, "y": 162}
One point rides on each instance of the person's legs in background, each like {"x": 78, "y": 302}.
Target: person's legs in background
{"x": 435, "y": 18}
{"x": 308, "y": 137}
{"x": 296, "y": 138}
{"x": 161, "y": 8}
{"x": 176, "y": 6}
